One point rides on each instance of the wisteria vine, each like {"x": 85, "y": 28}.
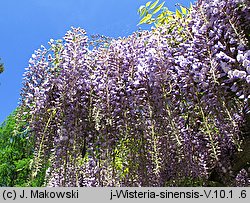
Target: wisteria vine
{"x": 150, "y": 109}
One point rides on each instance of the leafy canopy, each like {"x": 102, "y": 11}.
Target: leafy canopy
{"x": 149, "y": 13}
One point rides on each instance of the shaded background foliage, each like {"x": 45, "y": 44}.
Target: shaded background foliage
{"x": 16, "y": 153}
{"x": 166, "y": 107}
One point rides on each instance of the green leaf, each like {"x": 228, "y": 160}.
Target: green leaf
{"x": 183, "y": 10}
{"x": 152, "y": 20}
{"x": 141, "y": 9}
{"x": 178, "y": 14}
{"x": 144, "y": 12}
{"x": 170, "y": 18}
{"x": 161, "y": 15}
{"x": 148, "y": 3}
{"x": 167, "y": 12}
{"x": 164, "y": 14}
{"x": 154, "y": 4}
{"x": 191, "y": 6}
{"x": 161, "y": 21}
{"x": 145, "y": 19}
{"x": 126, "y": 170}
{"x": 158, "y": 8}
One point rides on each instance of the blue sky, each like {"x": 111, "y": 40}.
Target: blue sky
{"x": 27, "y": 24}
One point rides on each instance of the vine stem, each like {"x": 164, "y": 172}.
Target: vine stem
{"x": 42, "y": 141}
{"x": 208, "y": 130}
{"x": 170, "y": 115}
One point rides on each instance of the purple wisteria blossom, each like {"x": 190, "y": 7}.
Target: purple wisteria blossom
{"x": 151, "y": 109}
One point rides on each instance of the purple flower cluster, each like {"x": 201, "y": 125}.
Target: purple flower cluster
{"x": 144, "y": 110}
{"x": 242, "y": 179}
{"x": 229, "y": 41}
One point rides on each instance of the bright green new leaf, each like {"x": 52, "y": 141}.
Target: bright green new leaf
{"x": 145, "y": 19}
{"x": 140, "y": 10}
{"x": 148, "y": 3}
{"x": 178, "y": 14}
{"x": 162, "y": 21}
{"x": 126, "y": 170}
{"x": 191, "y": 6}
{"x": 183, "y": 10}
{"x": 154, "y": 4}
{"x": 158, "y": 8}
{"x": 166, "y": 13}
{"x": 170, "y": 18}
{"x": 161, "y": 15}
{"x": 152, "y": 20}
{"x": 143, "y": 12}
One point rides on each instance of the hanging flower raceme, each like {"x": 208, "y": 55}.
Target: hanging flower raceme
{"x": 151, "y": 109}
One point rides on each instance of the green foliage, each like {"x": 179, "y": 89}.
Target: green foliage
{"x": 149, "y": 13}
{"x": 16, "y": 152}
